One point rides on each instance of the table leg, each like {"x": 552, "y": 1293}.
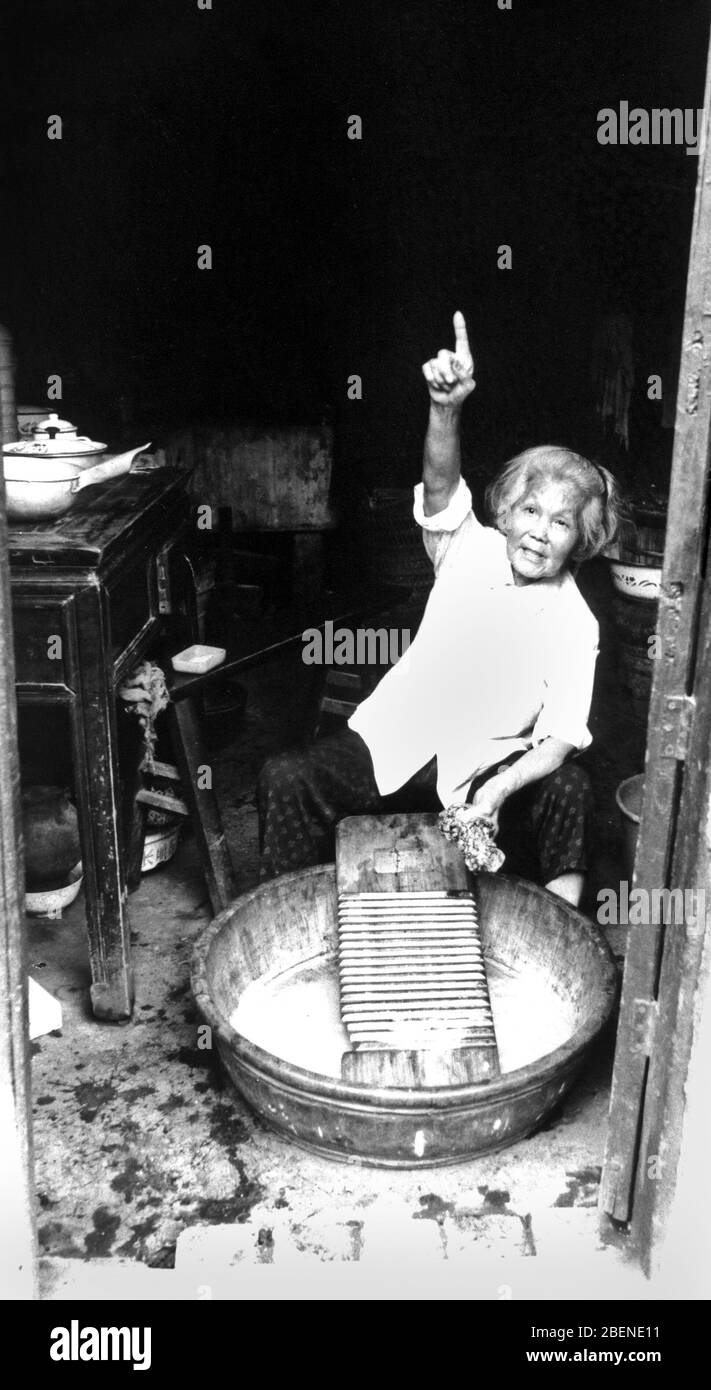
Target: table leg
{"x": 97, "y": 789}
{"x": 194, "y": 768}
{"x": 132, "y": 750}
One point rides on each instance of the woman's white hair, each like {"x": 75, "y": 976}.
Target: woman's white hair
{"x": 599, "y": 504}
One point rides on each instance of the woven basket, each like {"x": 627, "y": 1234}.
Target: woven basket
{"x": 391, "y": 541}
{"x": 646, "y": 547}
{"x": 635, "y": 624}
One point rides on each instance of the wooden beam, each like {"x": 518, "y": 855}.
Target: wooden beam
{"x": 162, "y": 802}
{"x": 18, "y": 1248}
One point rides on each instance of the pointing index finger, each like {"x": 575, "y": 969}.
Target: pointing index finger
{"x": 461, "y": 341}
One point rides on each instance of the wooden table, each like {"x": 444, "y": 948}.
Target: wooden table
{"x": 90, "y": 595}
{"x": 89, "y": 591}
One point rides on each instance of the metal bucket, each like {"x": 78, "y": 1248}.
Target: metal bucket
{"x": 629, "y": 796}
{"x": 292, "y": 919}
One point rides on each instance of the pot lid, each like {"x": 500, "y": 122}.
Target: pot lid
{"x": 54, "y": 438}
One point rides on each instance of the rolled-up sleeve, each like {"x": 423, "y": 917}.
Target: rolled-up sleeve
{"x": 438, "y": 530}
{"x": 568, "y": 686}
{"x": 451, "y": 516}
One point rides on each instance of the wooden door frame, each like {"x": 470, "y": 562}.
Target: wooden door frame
{"x": 664, "y": 993}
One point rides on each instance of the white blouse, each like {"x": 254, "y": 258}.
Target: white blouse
{"x": 494, "y": 667}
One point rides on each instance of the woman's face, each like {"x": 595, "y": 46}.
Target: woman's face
{"x": 543, "y": 530}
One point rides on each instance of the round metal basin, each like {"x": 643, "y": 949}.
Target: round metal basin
{"x": 527, "y": 933}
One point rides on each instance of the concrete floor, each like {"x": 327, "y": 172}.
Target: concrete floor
{"x": 155, "y": 1180}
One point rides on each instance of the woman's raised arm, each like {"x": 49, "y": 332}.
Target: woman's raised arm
{"x": 450, "y": 379}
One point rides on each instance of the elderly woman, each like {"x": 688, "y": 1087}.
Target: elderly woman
{"x": 494, "y": 694}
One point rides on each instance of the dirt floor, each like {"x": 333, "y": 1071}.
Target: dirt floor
{"x": 144, "y": 1154}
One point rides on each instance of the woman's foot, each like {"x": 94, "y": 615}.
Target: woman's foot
{"x": 569, "y": 887}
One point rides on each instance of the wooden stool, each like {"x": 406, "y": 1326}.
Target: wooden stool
{"x": 341, "y": 694}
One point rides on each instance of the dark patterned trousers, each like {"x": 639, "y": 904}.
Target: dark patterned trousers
{"x": 545, "y": 828}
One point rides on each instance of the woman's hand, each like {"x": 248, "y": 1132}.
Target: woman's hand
{"x": 487, "y": 802}
{"x": 450, "y": 375}
{"x": 450, "y": 379}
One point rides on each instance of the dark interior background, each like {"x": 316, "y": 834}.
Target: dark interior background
{"x": 331, "y": 257}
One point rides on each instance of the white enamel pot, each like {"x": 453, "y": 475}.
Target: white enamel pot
{"x": 39, "y": 489}
{"x": 52, "y": 438}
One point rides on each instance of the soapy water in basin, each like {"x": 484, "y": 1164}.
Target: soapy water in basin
{"x": 296, "y": 1016}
